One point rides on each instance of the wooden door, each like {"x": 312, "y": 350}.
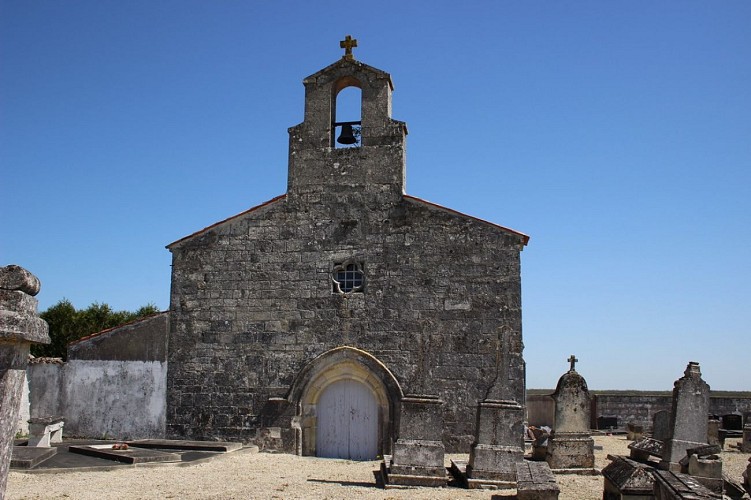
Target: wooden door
{"x": 347, "y": 422}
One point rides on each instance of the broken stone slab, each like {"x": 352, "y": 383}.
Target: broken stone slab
{"x": 627, "y": 479}
{"x": 707, "y": 470}
{"x": 645, "y": 448}
{"x": 671, "y": 485}
{"x": 734, "y": 489}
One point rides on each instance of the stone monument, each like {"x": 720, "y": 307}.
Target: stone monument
{"x": 688, "y": 419}
{"x": 499, "y": 426}
{"x": 418, "y": 452}
{"x": 20, "y": 326}
{"x": 571, "y": 447}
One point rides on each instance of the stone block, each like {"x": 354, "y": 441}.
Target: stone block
{"x": 535, "y": 481}
{"x": 661, "y": 425}
{"x": 707, "y": 470}
{"x": 570, "y": 451}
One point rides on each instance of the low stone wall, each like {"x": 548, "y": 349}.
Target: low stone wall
{"x": 632, "y": 406}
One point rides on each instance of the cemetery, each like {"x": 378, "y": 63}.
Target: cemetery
{"x": 311, "y": 335}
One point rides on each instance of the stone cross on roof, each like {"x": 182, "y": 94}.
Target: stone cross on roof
{"x": 348, "y": 44}
{"x": 572, "y": 359}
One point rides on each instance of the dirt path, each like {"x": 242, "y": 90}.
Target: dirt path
{"x": 243, "y": 475}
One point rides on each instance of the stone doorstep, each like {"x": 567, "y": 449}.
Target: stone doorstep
{"x": 397, "y": 480}
{"x": 28, "y": 457}
{"x": 458, "y": 470}
{"x": 129, "y": 456}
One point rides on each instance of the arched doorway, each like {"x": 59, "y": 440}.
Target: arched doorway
{"x": 345, "y": 389}
{"x": 347, "y": 423}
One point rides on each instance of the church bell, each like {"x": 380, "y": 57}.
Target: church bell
{"x": 347, "y": 136}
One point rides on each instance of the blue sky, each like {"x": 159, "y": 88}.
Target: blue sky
{"x": 616, "y": 134}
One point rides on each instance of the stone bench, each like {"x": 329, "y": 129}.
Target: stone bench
{"x": 535, "y": 481}
{"x": 45, "y": 430}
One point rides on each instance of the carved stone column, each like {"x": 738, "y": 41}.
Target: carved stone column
{"x": 20, "y": 326}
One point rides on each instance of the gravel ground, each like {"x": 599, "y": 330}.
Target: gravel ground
{"x": 264, "y": 476}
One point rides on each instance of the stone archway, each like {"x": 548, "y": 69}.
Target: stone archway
{"x": 350, "y": 365}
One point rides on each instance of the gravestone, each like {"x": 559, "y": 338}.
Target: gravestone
{"x": 607, "y": 422}
{"x": 688, "y": 418}
{"x": 732, "y": 422}
{"x": 418, "y": 452}
{"x": 499, "y": 430}
{"x": 747, "y": 477}
{"x": 661, "y": 425}
{"x": 713, "y": 432}
{"x": 571, "y": 447}
{"x": 20, "y": 327}
{"x": 746, "y": 442}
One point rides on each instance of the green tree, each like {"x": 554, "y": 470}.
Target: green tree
{"x": 68, "y": 324}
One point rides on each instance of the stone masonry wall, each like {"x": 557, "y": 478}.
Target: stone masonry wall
{"x": 252, "y": 303}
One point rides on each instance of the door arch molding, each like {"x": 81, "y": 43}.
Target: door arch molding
{"x": 343, "y": 363}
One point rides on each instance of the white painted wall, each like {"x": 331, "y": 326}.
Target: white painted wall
{"x": 115, "y": 399}
{"x": 23, "y": 412}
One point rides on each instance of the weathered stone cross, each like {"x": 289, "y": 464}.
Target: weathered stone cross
{"x": 572, "y": 359}
{"x": 348, "y": 44}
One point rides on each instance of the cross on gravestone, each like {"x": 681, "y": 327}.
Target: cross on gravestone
{"x": 348, "y": 44}
{"x": 572, "y": 359}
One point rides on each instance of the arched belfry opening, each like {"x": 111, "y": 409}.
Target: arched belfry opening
{"x": 346, "y": 403}
{"x": 347, "y": 119}
{"x": 346, "y": 113}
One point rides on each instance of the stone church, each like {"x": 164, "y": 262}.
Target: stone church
{"x": 304, "y": 323}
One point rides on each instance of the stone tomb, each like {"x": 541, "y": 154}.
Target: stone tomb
{"x": 627, "y": 479}
{"x": 535, "y": 481}
{"x": 688, "y": 421}
{"x": 571, "y": 447}
{"x": 131, "y": 455}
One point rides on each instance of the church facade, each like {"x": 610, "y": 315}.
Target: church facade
{"x": 302, "y": 323}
